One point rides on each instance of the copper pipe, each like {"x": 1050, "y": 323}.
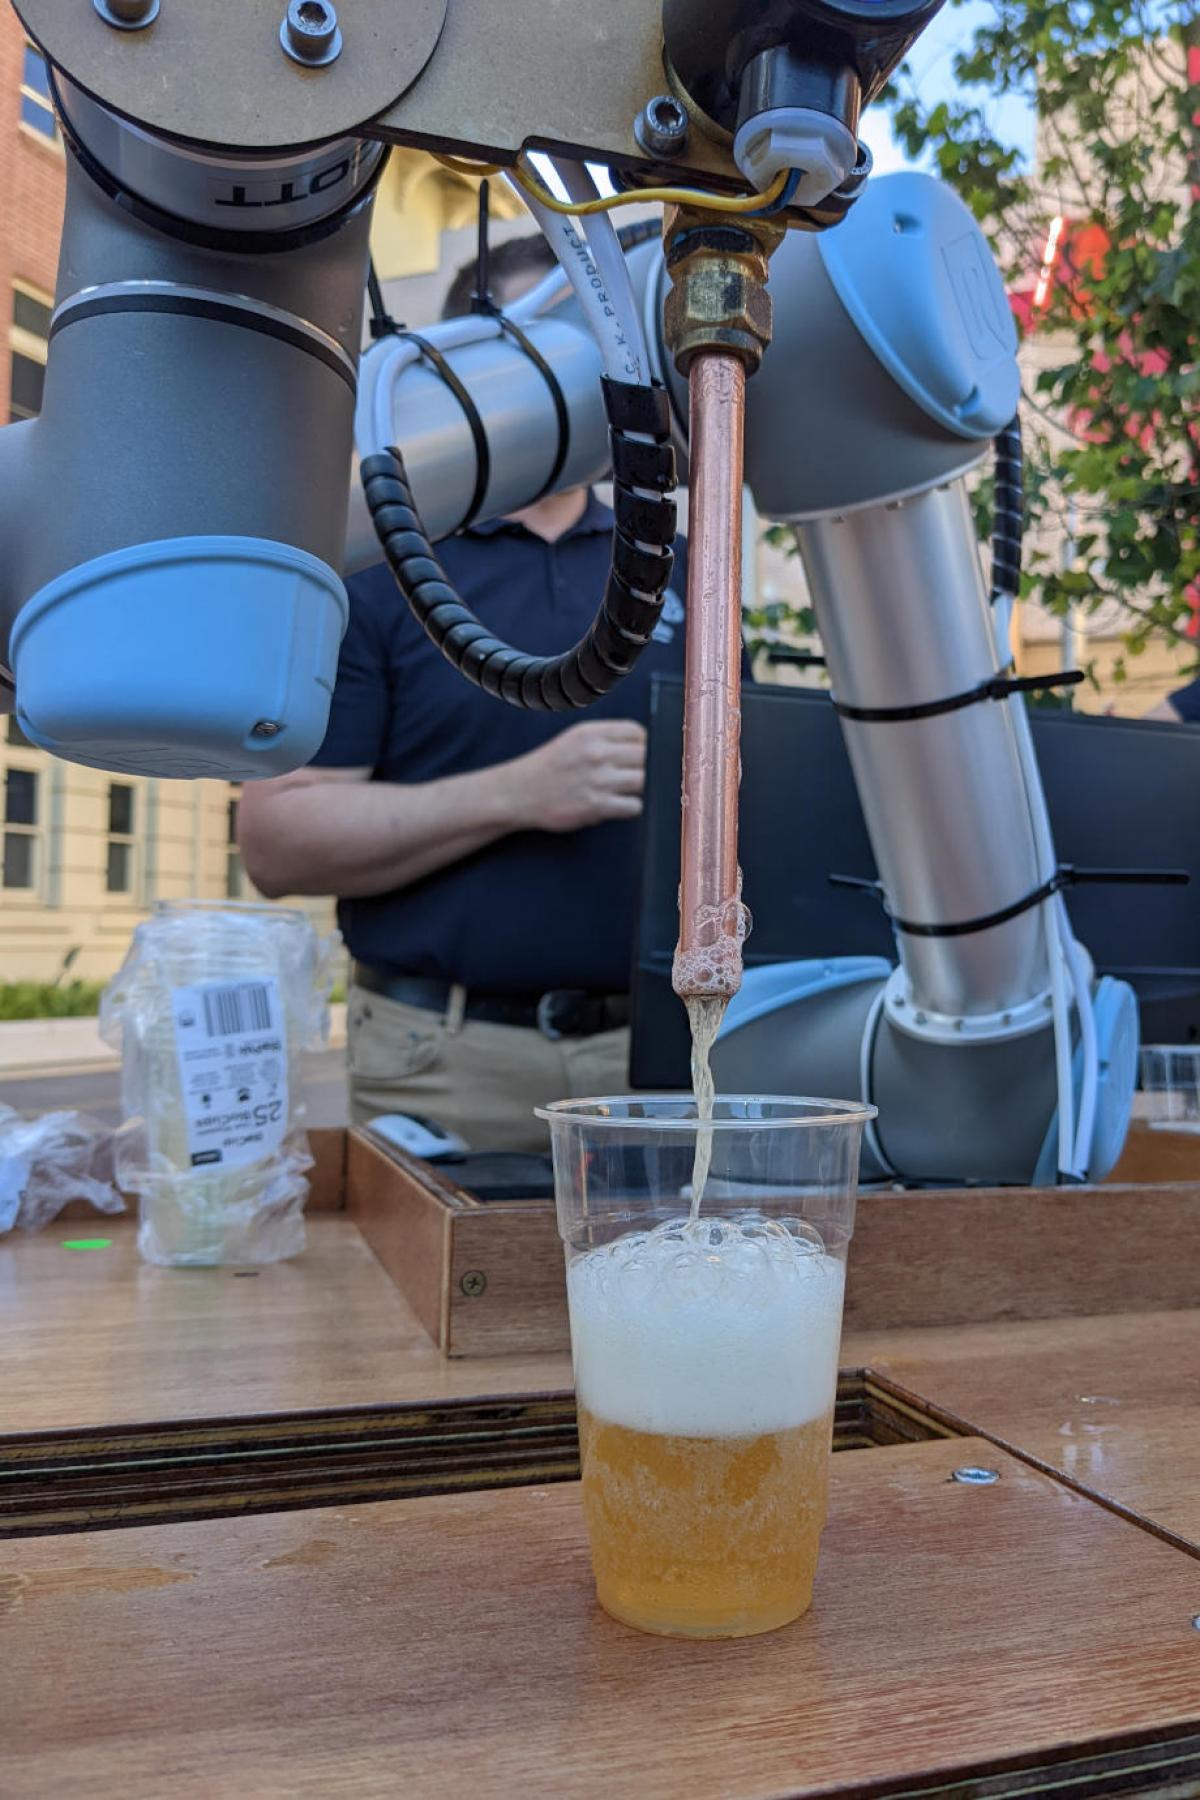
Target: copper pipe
{"x": 708, "y": 958}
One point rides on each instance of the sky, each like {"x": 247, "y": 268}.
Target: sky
{"x": 931, "y": 60}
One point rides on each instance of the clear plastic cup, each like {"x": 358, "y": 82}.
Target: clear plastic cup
{"x": 705, "y": 1351}
{"x": 1171, "y": 1083}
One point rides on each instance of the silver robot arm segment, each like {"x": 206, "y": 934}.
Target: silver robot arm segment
{"x": 195, "y": 439}
{"x": 892, "y": 369}
{"x": 193, "y": 445}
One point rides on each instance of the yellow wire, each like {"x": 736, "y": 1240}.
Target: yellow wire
{"x": 466, "y": 168}
{"x": 669, "y": 196}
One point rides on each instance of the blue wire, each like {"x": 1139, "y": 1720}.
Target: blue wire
{"x": 784, "y": 199}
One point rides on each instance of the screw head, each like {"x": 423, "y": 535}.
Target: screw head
{"x": 473, "y": 1283}
{"x": 266, "y": 728}
{"x": 310, "y": 33}
{"x": 973, "y": 1477}
{"x": 1196, "y": 1622}
{"x": 661, "y": 128}
{"x": 127, "y": 15}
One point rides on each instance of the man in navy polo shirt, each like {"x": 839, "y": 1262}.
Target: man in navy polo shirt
{"x": 485, "y": 860}
{"x": 1180, "y": 708}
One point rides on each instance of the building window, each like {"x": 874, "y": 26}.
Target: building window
{"x": 28, "y": 341}
{"x": 19, "y": 863}
{"x": 16, "y": 736}
{"x": 119, "y": 872}
{"x": 235, "y": 880}
{"x": 37, "y": 108}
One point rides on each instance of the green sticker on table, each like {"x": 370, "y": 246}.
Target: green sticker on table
{"x": 87, "y": 1243}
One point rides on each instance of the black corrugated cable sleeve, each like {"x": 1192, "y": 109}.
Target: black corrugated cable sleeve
{"x": 1009, "y": 521}
{"x": 643, "y": 475}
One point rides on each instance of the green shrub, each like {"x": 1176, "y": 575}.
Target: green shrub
{"x": 41, "y": 1000}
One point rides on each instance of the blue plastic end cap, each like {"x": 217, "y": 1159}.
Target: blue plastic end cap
{"x": 914, "y": 271}
{"x": 186, "y": 657}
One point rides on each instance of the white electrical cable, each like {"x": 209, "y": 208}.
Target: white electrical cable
{"x": 1089, "y": 1094}
{"x": 866, "y": 1051}
{"x": 1064, "y": 1062}
{"x": 381, "y": 367}
{"x": 1073, "y": 1146}
{"x": 609, "y": 259}
{"x": 549, "y": 291}
{"x": 571, "y": 248}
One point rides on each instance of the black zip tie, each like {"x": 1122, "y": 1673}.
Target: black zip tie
{"x": 996, "y": 687}
{"x": 1065, "y": 876}
{"x": 382, "y": 323}
{"x": 483, "y": 304}
{"x": 483, "y": 455}
{"x": 799, "y": 659}
{"x": 561, "y": 413}
{"x": 481, "y": 299}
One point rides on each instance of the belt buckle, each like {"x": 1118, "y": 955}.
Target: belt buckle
{"x": 550, "y": 1005}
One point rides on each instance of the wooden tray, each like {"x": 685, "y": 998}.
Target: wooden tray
{"x": 486, "y": 1278}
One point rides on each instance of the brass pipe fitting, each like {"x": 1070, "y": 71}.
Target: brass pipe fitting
{"x": 718, "y": 298}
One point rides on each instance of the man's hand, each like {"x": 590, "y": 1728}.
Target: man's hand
{"x": 588, "y": 773}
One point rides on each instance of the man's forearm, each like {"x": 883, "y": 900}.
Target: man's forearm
{"x": 357, "y": 838}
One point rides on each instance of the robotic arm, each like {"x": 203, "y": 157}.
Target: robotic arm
{"x": 175, "y": 520}
{"x": 892, "y": 374}
{"x": 199, "y": 394}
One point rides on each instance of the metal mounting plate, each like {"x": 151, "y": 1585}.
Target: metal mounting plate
{"x": 555, "y": 74}
{"x": 214, "y": 73}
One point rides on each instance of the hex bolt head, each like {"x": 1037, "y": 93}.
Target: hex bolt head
{"x": 310, "y": 32}
{"x": 127, "y": 15}
{"x": 974, "y": 1477}
{"x": 661, "y": 128}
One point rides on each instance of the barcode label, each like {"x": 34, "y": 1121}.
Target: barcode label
{"x": 231, "y": 1052}
{"x": 229, "y": 1010}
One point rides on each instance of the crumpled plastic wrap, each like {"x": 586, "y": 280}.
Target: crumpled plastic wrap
{"x": 191, "y": 1215}
{"x": 48, "y": 1161}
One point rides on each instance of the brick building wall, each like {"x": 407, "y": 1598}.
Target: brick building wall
{"x": 32, "y": 186}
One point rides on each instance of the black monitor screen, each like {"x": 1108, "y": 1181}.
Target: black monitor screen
{"x": 1122, "y": 793}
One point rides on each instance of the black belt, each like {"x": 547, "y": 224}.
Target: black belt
{"x": 558, "y": 1013}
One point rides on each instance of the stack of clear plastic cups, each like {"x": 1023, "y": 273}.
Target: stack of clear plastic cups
{"x": 212, "y": 1010}
{"x": 705, "y": 1350}
{"x": 1171, "y": 1084}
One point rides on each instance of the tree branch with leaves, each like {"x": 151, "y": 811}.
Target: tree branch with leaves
{"x": 1115, "y": 413}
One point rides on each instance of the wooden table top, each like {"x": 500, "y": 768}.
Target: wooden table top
{"x": 1111, "y": 1403}
{"x": 328, "y": 1330}
{"x": 453, "y": 1647}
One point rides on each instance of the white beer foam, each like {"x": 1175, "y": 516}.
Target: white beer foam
{"x": 718, "y": 1329}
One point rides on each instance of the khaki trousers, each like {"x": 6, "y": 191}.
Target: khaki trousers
{"x": 479, "y": 1080}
